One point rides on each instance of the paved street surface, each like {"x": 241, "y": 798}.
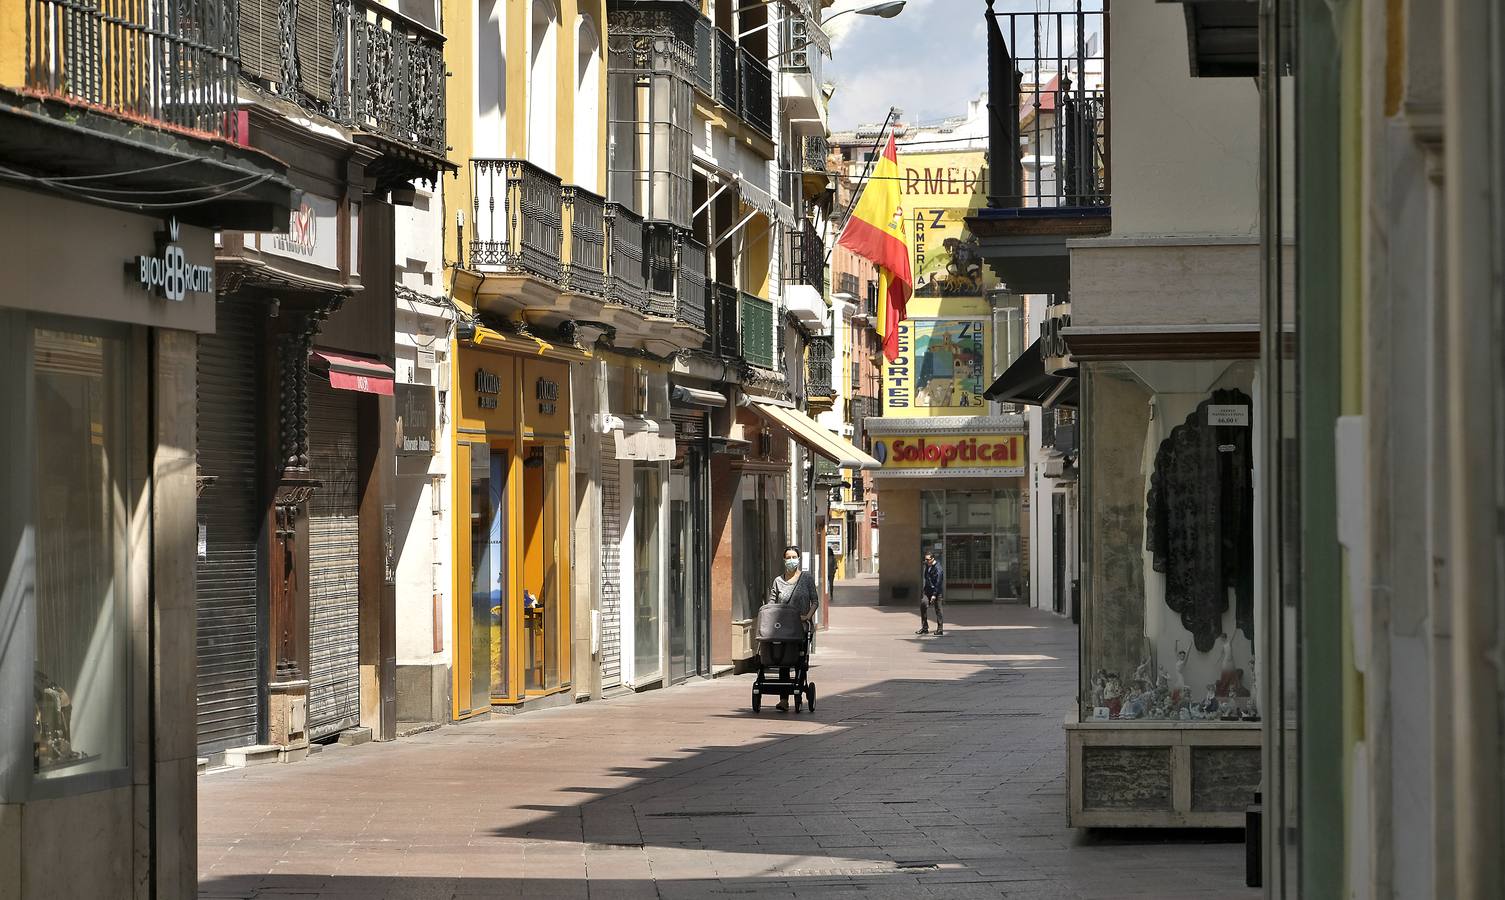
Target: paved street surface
{"x": 933, "y": 767}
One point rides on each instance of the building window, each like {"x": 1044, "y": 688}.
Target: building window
{"x": 649, "y": 110}
{"x": 67, "y": 492}
{"x": 975, "y": 534}
{"x": 762, "y": 507}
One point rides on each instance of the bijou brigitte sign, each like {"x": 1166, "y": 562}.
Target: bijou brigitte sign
{"x": 998, "y": 453}
{"x": 168, "y": 272}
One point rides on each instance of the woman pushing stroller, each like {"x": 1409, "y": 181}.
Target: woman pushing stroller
{"x": 794, "y": 591}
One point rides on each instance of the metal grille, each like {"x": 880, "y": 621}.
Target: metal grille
{"x": 173, "y": 62}
{"x": 228, "y": 645}
{"x": 585, "y": 272}
{"x": 705, "y": 57}
{"x": 757, "y": 94}
{"x": 728, "y": 337}
{"x": 334, "y": 690}
{"x": 626, "y": 276}
{"x": 728, "y": 93}
{"x": 694, "y": 300}
{"x": 611, "y": 564}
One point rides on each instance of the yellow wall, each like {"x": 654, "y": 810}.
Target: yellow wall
{"x": 460, "y": 27}
{"x": 757, "y": 254}
{"x": 12, "y": 44}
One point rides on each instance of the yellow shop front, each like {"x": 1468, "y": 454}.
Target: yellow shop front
{"x": 512, "y": 522}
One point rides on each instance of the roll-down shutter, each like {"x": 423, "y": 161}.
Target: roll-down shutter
{"x": 334, "y": 697}
{"x": 611, "y": 563}
{"x": 229, "y": 664}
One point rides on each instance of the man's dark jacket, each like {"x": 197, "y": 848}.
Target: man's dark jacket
{"x": 935, "y": 579}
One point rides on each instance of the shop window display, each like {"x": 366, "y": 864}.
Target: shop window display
{"x": 78, "y": 567}
{"x": 1169, "y": 626}
{"x": 976, "y": 535}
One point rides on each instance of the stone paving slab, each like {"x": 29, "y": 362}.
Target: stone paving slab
{"x": 933, "y": 767}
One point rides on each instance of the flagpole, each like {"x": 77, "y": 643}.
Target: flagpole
{"x": 866, "y": 171}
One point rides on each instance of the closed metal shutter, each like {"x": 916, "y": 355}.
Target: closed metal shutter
{"x": 611, "y": 563}
{"x": 334, "y": 690}
{"x": 228, "y": 634}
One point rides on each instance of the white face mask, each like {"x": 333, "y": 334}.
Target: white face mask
{"x": 791, "y": 564}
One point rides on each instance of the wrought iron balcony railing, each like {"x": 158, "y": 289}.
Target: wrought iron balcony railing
{"x": 807, "y": 256}
{"x": 659, "y": 251}
{"x": 626, "y": 274}
{"x": 355, "y": 61}
{"x": 815, "y": 150}
{"x": 396, "y": 77}
{"x": 757, "y": 329}
{"x": 516, "y": 208}
{"x": 757, "y": 94}
{"x": 726, "y": 337}
{"x": 694, "y": 299}
{"x": 1051, "y": 130}
{"x": 704, "y": 76}
{"x": 818, "y": 357}
{"x": 728, "y": 89}
{"x": 169, "y": 63}
{"x": 583, "y": 271}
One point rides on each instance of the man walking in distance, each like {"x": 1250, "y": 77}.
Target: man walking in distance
{"x": 930, "y": 596}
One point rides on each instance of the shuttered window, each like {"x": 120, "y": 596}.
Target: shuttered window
{"x": 611, "y": 564}
{"x": 261, "y": 42}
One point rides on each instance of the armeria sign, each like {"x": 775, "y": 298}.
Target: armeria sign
{"x": 168, "y": 271}
{"x": 986, "y": 451}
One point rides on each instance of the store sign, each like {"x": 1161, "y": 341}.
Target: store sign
{"x": 488, "y": 388}
{"x": 546, "y": 392}
{"x": 940, "y": 368}
{"x": 313, "y": 230}
{"x": 989, "y": 451}
{"x": 168, "y": 271}
{"x": 1228, "y": 415}
{"x": 1056, "y": 355}
{"x": 415, "y": 419}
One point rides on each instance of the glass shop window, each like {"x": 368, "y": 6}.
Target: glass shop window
{"x": 79, "y": 558}
{"x": 1171, "y": 591}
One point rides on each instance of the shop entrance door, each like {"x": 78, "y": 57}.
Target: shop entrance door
{"x": 969, "y": 566}
{"x": 1058, "y": 551}
{"x": 543, "y": 668}
{"x": 486, "y": 623}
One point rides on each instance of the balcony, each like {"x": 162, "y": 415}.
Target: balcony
{"x": 805, "y": 278}
{"x": 1049, "y": 127}
{"x": 360, "y": 64}
{"x": 802, "y": 69}
{"x": 144, "y": 93}
{"x": 820, "y": 393}
{"x": 538, "y": 248}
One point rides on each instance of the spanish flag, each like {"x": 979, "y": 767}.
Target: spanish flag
{"x": 875, "y": 232}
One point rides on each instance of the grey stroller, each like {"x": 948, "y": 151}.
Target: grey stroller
{"x": 783, "y": 657}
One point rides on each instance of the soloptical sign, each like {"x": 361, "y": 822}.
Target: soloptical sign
{"x": 991, "y": 454}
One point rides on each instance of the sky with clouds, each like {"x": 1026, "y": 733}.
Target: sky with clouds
{"x": 929, "y": 60}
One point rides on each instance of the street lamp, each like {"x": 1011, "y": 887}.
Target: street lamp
{"x": 883, "y": 9}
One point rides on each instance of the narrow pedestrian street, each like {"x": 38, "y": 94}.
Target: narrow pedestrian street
{"x": 933, "y": 767}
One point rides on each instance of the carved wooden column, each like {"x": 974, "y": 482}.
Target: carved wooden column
{"x": 288, "y": 598}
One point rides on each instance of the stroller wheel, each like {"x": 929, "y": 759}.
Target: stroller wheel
{"x": 757, "y": 701}
{"x": 810, "y": 695}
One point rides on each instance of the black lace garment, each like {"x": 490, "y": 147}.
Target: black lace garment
{"x": 1199, "y": 520}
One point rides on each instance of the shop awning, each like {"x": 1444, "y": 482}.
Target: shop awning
{"x": 354, "y": 373}
{"x": 810, "y": 433}
{"x": 680, "y": 393}
{"x": 1027, "y": 382}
